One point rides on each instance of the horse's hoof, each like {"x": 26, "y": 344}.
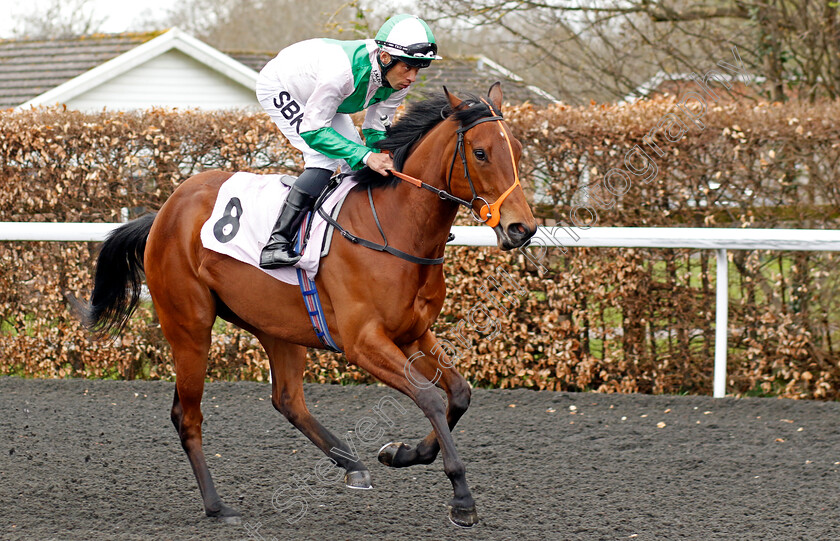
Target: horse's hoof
{"x": 359, "y": 480}
{"x": 465, "y": 517}
{"x": 389, "y": 451}
{"x": 227, "y": 515}
{"x": 232, "y": 520}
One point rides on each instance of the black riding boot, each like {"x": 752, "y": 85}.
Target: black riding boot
{"x": 280, "y": 250}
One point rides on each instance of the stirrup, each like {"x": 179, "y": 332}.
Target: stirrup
{"x": 276, "y": 259}
{"x": 277, "y": 256}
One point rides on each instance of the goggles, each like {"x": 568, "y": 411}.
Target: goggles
{"x": 418, "y": 55}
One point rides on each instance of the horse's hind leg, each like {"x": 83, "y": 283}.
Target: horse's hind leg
{"x": 434, "y": 365}
{"x": 189, "y": 336}
{"x": 287, "y": 365}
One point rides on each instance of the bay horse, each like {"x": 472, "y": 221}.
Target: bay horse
{"x": 378, "y": 328}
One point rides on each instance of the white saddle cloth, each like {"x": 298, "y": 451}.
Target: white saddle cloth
{"x": 244, "y": 214}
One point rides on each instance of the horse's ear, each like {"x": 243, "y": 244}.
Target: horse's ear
{"x": 454, "y": 102}
{"x": 495, "y": 95}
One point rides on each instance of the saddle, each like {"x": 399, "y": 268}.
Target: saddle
{"x": 246, "y": 208}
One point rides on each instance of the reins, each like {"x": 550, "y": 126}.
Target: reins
{"x": 375, "y": 246}
{"x": 488, "y": 214}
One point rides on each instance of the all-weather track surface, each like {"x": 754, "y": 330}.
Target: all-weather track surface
{"x": 100, "y": 460}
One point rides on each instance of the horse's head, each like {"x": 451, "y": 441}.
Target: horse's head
{"x": 468, "y": 155}
{"x": 485, "y": 169}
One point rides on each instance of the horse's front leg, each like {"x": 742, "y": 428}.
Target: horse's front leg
{"x": 428, "y": 357}
{"x": 376, "y": 353}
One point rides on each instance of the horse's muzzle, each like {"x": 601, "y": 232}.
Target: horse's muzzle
{"x": 514, "y": 235}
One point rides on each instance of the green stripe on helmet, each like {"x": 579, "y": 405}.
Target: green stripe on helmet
{"x": 385, "y": 32}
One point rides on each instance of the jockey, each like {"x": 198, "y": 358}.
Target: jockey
{"x": 310, "y": 88}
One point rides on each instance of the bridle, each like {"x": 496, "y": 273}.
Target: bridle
{"x": 489, "y": 213}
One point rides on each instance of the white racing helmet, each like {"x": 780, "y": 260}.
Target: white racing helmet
{"x": 409, "y": 39}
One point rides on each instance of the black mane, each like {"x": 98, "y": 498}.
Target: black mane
{"x": 417, "y": 121}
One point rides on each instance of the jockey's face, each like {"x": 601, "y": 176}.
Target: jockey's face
{"x": 401, "y": 75}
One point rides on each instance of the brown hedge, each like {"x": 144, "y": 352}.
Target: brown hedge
{"x": 626, "y": 320}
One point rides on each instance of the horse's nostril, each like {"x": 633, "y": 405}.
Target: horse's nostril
{"x": 518, "y": 231}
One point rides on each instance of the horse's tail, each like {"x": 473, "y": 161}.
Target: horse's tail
{"x": 119, "y": 277}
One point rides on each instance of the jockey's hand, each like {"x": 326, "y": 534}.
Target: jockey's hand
{"x": 380, "y": 162}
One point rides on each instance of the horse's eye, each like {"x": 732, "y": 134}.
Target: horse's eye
{"x": 479, "y": 153}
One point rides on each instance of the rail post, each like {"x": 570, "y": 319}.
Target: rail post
{"x": 721, "y": 322}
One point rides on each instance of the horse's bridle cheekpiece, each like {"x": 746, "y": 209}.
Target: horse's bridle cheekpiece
{"x": 489, "y": 213}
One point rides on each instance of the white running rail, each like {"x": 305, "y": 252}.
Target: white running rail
{"x": 718, "y": 239}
